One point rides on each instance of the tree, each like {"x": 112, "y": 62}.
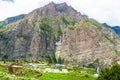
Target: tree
{"x": 112, "y": 73}
{"x": 5, "y": 57}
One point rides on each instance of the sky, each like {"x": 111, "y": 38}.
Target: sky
{"x": 102, "y": 10}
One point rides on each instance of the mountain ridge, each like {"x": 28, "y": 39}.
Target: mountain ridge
{"x": 11, "y": 20}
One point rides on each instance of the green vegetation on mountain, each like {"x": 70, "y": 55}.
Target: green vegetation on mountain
{"x": 65, "y": 21}
{"x": 91, "y": 23}
{"x": 45, "y": 27}
{"x": 68, "y": 23}
{"x": 109, "y": 39}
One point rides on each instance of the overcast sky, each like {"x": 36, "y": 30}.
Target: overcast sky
{"x": 102, "y": 10}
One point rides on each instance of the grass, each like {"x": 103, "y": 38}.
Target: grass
{"x": 30, "y": 74}
{"x": 74, "y": 74}
{"x": 68, "y": 76}
{"x": 48, "y": 76}
{"x": 2, "y": 69}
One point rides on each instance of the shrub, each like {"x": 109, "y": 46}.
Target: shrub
{"x": 71, "y": 27}
{"x": 53, "y": 59}
{"x": 112, "y": 73}
{"x": 86, "y": 75}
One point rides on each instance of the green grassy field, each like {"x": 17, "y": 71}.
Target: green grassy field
{"x": 68, "y": 76}
{"x": 74, "y": 74}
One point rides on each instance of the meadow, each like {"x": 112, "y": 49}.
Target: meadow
{"x": 38, "y": 73}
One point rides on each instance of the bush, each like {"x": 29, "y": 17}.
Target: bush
{"x": 112, "y": 73}
{"x": 86, "y": 75}
{"x": 71, "y": 27}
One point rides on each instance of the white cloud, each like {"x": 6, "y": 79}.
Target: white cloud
{"x": 101, "y": 10}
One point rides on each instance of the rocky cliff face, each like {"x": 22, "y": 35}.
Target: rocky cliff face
{"x": 58, "y": 29}
{"x": 87, "y": 42}
{"x": 34, "y": 37}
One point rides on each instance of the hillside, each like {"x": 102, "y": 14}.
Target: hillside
{"x": 58, "y": 29}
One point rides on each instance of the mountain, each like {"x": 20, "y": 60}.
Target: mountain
{"x": 11, "y": 20}
{"x": 115, "y": 28}
{"x": 35, "y": 36}
{"x": 58, "y": 30}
